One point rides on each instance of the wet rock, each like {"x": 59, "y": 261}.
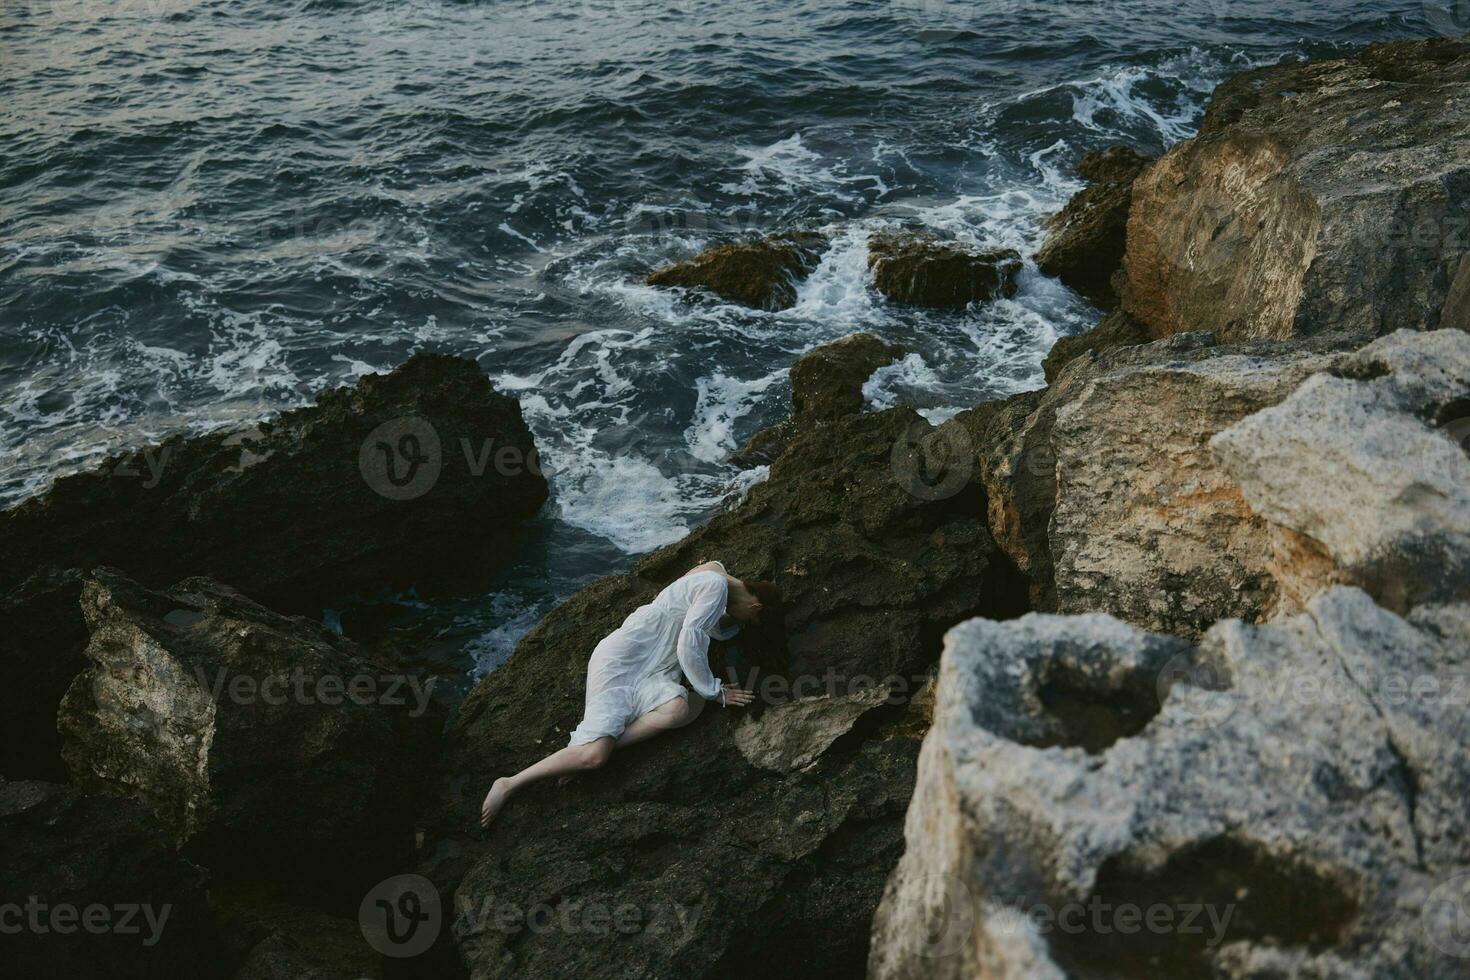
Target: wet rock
{"x": 42, "y": 635}
{"x": 1360, "y": 477}
{"x": 264, "y": 743}
{"x": 917, "y": 268}
{"x": 872, "y": 574}
{"x": 1085, "y": 244}
{"x": 1285, "y": 798}
{"x": 100, "y": 891}
{"x": 826, "y": 383}
{"x": 406, "y": 479}
{"x": 1325, "y": 196}
{"x": 1117, "y": 329}
{"x": 762, "y": 274}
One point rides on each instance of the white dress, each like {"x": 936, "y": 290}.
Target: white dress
{"x": 636, "y": 667}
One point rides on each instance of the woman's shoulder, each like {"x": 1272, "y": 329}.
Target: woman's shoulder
{"x": 708, "y": 566}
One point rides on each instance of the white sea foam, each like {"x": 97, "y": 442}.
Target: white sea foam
{"x": 720, "y": 402}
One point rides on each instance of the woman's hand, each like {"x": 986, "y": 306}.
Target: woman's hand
{"x": 736, "y": 697}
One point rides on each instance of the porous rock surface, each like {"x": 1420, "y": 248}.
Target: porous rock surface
{"x": 1284, "y": 782}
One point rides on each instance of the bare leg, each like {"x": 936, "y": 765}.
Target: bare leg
{"x": 674, "y": 713}
{"x": 573, "y": 758}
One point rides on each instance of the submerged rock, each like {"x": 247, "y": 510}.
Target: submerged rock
{"x": 406, "y": 479}
{"x": 98, "y": 890}
{"x": 1325, "y": 196}
{"x": 263, "y": 742}
{"x": 761, "y": 274}
{"x": 917, "y": 268}
{"x": 872, "y": 574}
{"x": 1084, "y": 247}
{"x": 1305, "y": 819}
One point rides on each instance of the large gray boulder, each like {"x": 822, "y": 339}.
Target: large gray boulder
{"x": 1361, "y": 476}
{"x": 1293, "y": 808}
{"x": 1146, "y": 525}
{"x": 1103, "y": 490}
{"x": 1326, "y": 196}
{"x": 265, "y": 743}
{"x": 1117, "y": 488}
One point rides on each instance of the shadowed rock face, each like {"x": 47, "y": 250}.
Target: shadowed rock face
{"x": 871, "y": 574}
{"x": 265, "y": 743}
{"x": 375, "y": 485}
{"x": 70, "y": 850}
{"x": 271, "y": 940}
{"x": 761, "y": 274}
{"x": 1085, "y": 245}
{"x": 1326, "y": 196}
{"x": 917, "y": 268}
{"x": 1117, "y": 329}
{"x": 41, "y": 640}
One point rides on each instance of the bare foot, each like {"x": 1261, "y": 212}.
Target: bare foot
{"x": 494, "y": 800}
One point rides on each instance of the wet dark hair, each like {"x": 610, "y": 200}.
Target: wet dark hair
{"x": 772, "y": 607}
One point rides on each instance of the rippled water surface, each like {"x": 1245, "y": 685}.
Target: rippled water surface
{"x": 211, "y": 210}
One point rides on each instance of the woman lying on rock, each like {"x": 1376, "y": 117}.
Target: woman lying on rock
{"x": 633, "y": 688}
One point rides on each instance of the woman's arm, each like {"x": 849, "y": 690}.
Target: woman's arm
{"x": 702, "y": 618}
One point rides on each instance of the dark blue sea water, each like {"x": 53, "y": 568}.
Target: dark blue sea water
{"x": 212, "y": 209}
